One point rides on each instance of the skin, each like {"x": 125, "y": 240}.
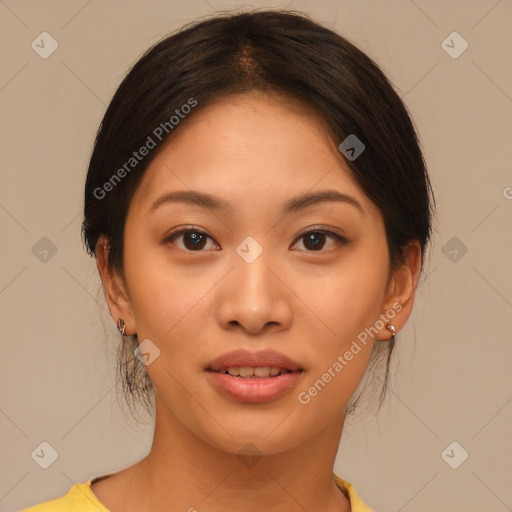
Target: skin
{"x": 255, "y": 152}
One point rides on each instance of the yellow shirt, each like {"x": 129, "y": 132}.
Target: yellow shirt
{"x": 80, "y": 498}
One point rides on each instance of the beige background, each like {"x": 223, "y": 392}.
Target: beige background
{"x": 452, "y": 374}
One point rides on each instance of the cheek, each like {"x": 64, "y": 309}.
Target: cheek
{"x": 347, "y": 306}
{"x": 158, "y": 296}
{"x": 349, "y": 299}
{"x": 170, "y": 303}
{"x": 348, "y": 302}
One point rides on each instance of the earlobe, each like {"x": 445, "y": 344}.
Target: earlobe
{"x": 114, "y": 288}
{"x": 400, "y": 300}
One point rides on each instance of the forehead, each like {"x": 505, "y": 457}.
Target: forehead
{"x": 249, "y": 149}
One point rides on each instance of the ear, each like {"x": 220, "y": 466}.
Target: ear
{"x": 401, "y": 290}
{"x": 114, "y": 288}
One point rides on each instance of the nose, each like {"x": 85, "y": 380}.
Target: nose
{"x": 255, "y": 298}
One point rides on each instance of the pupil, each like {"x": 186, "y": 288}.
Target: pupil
{"x": 197, "y": 240}
{"x": 315, "y": 244}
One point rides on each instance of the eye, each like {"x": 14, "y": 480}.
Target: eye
{"x": 193, "y": 239}
{"x": 315, "y": 240}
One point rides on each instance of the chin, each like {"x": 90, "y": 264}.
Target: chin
{"x": 262, "y": 438}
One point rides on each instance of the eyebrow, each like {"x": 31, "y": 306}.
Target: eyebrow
{"x": 292, "y": 205}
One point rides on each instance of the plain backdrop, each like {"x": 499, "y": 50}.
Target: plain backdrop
{"x": 451, "y": 384}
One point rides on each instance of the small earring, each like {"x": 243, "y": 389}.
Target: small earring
{"x": 121, "y": 326}
{"x": 392, "y": 329}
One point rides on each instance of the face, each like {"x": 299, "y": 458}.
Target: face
{"x": 264, "y": 263}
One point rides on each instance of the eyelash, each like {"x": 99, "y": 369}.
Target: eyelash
{"x": 340, "y": 240}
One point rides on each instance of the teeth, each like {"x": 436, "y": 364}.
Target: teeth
{"x": 261, "y": 371}
{"x": 247, "y": 371}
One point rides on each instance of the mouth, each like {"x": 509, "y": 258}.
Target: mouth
{"x": 254, "y": 377}
{"x": 252, "y": 372}
{"x": 246, "y": 387}
{"x": 246, "y": 364}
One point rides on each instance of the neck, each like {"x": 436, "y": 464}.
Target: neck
{"x": 183, "y": 472}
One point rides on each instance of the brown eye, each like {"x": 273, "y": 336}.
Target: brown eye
{"x": 316, "y": 240}
{"x": 192, "y": 239}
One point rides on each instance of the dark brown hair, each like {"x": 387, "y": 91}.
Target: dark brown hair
{"x": 272, "y": 52}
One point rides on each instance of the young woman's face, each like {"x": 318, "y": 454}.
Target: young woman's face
{"x": 259, "y": 267}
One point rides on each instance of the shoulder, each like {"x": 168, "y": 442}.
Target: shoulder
{"x": 79, "y": 498}
{"x": 347, "y": 488}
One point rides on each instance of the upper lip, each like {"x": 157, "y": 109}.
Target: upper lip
{"x": 238, "y": 358}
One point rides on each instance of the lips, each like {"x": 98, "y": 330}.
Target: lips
{"x": 246, "y": 359}
{"x": 247, "y": 372}
{"x": 254, "y": 377}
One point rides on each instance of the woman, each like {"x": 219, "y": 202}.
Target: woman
{"x": 259, "y": 208}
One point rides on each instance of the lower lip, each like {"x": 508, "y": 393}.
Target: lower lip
{"x": 254, "y": 390}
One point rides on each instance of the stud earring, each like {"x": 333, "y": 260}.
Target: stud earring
{"x": 392, "y": 329}
{"x": 121, "y": 326}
